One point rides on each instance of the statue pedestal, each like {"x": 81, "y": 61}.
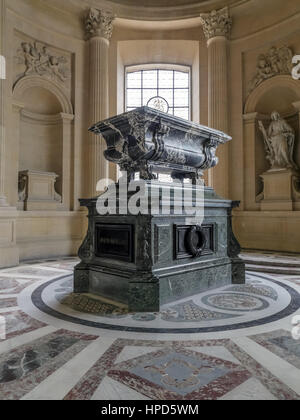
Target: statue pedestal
{"x": 37, "y": 191}
{"x": 279, "y": 189}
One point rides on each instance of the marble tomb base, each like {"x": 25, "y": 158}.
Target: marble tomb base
{"x": 145, "y": 261}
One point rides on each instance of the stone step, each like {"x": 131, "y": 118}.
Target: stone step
{"x": 260, "y": 268}
{"x": 272, "y": 260}
{"x": 272, "y": 263}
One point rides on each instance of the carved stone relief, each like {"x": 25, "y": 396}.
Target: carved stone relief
{"x": 38, "y": 59}
{"x": 275, "y": 62}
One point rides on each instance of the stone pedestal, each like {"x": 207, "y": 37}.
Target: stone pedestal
{"x": 148, "y": 260}
{"x": 279, "y": 189}
{"x": 37, "y": 191}
{"x": 9, "y": 253}
{"x": 178, "y": 240}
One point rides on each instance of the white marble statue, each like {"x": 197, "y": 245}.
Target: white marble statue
{"x": 279, "y": 142}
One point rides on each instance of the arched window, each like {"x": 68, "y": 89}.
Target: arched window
{"x": 164, "y": 87}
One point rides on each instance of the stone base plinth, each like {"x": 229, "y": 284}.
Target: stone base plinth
{"x": 9, "y": 253}
{"x": 37, "y": 191}
{"x": 148, "y": 260}
{"x": 279, "y": 190}
{"x": 268, "y": 230}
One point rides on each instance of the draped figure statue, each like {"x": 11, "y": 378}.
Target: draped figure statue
{"x": 279, "y": 142}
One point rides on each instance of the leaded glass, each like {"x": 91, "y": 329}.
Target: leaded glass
{"x": 148, "y": 87}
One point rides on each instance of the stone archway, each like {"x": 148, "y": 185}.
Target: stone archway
{"x": 283, "y": 82}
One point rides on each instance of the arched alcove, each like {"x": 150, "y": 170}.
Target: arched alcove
{"x": 41, "y": 137}
{"x": 44, "y": 142}
{"x": 30, "y": 82}
{"x": 41, "y": 101}
{"x": 279, "y": 93}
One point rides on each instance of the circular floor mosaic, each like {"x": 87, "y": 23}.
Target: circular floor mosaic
{"x": 260, "y": 301}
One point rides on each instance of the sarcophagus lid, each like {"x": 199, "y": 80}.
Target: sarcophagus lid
{"x": 149, "y": 141}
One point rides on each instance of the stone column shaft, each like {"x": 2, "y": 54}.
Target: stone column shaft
{"x": 98, "y": 25}
{"x": 216, "y": 26}
{"x": 67, "y": 192}
{"x": 99, "y": 101}
{"x": 218, "y": 108}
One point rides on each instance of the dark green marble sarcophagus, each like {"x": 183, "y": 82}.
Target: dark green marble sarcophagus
{"x": 180, "y": 242}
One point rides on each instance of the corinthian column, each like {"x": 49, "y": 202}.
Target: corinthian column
{"x": 216, "y": 27}
{"x": 98, "y": 26}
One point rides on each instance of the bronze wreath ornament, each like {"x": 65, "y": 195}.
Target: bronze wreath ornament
{"x": 196, "y": 240}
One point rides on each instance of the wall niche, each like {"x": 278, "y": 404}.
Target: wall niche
{"x": 45, "y": 136}
{"x": 281, "y": 94}
{"x": 41, "y": 141}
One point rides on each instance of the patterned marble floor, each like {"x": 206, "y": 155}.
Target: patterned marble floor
{"x": 230, "y": 343}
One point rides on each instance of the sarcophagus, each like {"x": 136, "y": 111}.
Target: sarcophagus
{"x": 147, "y": 141}
{"x": 150, "y": 257}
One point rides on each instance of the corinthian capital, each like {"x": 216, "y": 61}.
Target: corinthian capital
{"x": 99, "y": 23}
{"x": 216, "y": 23}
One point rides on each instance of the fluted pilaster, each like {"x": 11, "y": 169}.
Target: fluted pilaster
{"x": 98, "y": 26}
{"x": 216, "y": 27}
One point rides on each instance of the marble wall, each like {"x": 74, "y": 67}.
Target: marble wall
{"x": 50, "y": 56}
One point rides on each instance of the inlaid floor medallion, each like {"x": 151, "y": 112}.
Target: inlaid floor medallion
{"x": 260, "y": 301}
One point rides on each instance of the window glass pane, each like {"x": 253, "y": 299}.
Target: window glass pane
{"x": 167, "y": 94}
{"x": 182, "y": 113}
{"x": 173, "y": 86}
{"x": 148, "y": 94}
{"x": 134, "y": 97}
{"x": 181, "y": 80}
{"x": 165, "y": 79}
{"x": 150, "y": 79}
{"x": 134, "y": 80}
{"x": 181, "y": 97}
